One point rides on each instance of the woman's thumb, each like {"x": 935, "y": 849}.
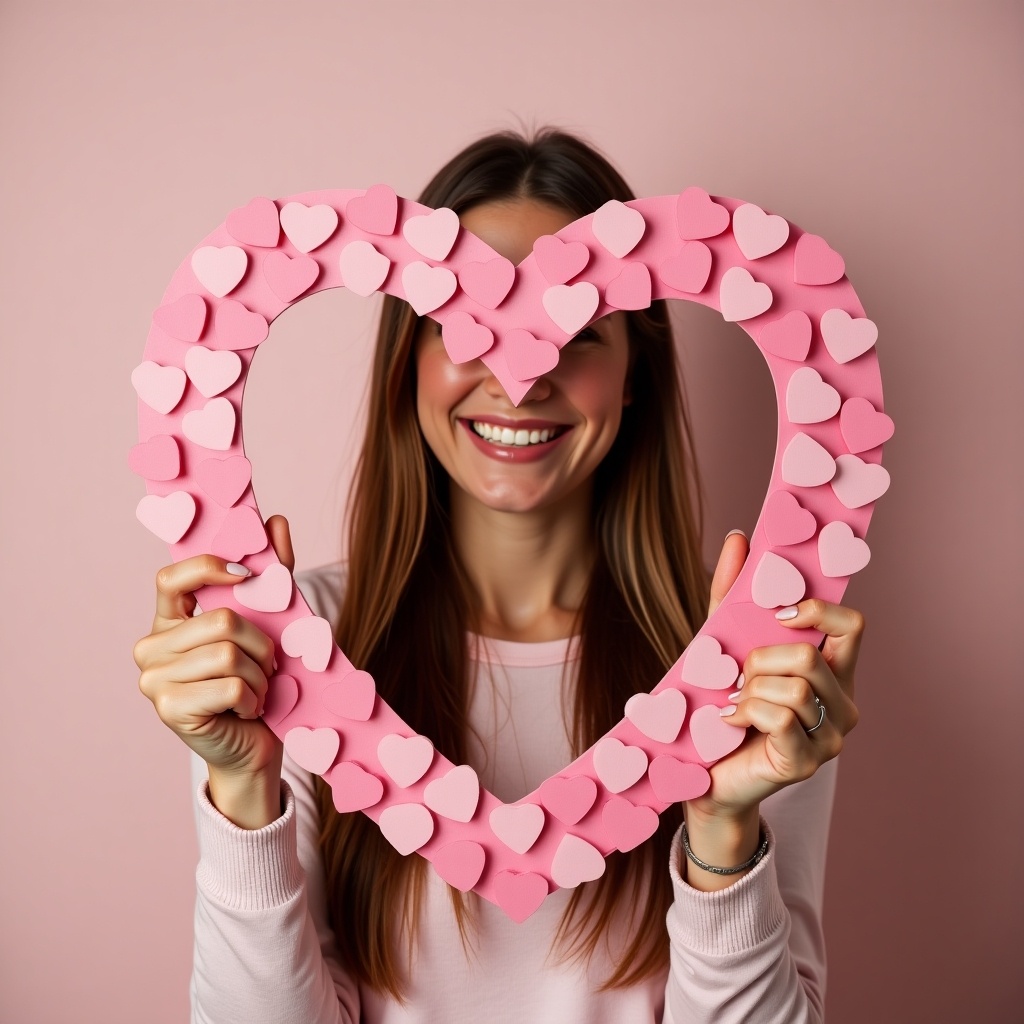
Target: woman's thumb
{"x": 730, "y": 562}
{"x": 281, "y": 538}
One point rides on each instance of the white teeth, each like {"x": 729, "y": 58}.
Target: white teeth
{"x": 508, "y": 436}
{"x": 534, "y": 436}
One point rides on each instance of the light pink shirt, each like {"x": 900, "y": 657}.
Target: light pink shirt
{"x": 264, "y": 951}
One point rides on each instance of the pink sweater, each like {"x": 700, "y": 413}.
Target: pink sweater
{"x": 265, "y": 953}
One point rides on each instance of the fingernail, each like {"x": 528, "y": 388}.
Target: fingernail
{"x": 739, "y": 682}
{"x": 729, "y": 709}
{"x": 787, "y": 613}
{"x": 274, "y": 663}
{"x": 735, "y": 696}
{"x": 731, "y": 532}
{"x": 237, "y": 569}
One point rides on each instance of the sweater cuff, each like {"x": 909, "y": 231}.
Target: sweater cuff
{"x": 731, "y": 920}
{"x": 248, "y": 869}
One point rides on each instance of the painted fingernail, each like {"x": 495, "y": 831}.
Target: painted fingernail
{"x": 729, "y": 709}
{"x": 787, "y": 613}
{"x": 735, "y": 696}
{"x": 237, "y": 569}
{"x": 739, "y": 682}
{"x": 731, "y": 532}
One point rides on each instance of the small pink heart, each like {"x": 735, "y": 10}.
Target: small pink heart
{"x": 363, "y": 269}
{"x": 857, "y": 482}
{"x": 271, "y": 591}
{"x": 758, "y": 233}
{"x": 312, "y": 749}
{"x": 528, "y": 357}
{"x": 659, "y": 716}
{"x": 237, "y": 328}
{"x": 212, "y": 372}
{"x": 805, "y": 463}
{"x": 287, "y": 276}
{"x": 519, "y": 894}
{"x": 840, "y": 553}
{"x": 256, "y": 223}
{"x": 427, "y": 287}
{"x": 571, "y": 306}
{"x": 308, "y": 227}
{"x": 353, "y": 788}
{"x": 786, "y": 521}
{"x": 713, "y": 737}
{"x": 628, "y": 824}
{"x": 213, "y": 426}
{"x": 789, "y": 337}
{"x": 618, "y": 765}
{"x": 488, "y": 282}
{"x": 156, "y": 459}
{"x": 846, "y": 337}
{"x": 219, "y": 268}
{"x": 240, "y": 534}
{"x": 575, "y": 861}
{"x": 674, "y": 781}
{"x": 454, "y": 795}
{"x": 310, "y": 639}
{"x": 777, "y": 582}
{"x": 618, "y": 228}
{"x": 460, "y": 863}
{"x": 351, "y": 697}
{"x": 406, "y": 826}
{"x": 225, "y": 480}
{"x": 375, "y": 211}
{"x": 183, "y": 319}
{"x": 282, "y": 696}
{"x": 816, "y": 262}
{"x": 705, "y": 665}
{"x": 168, "y": 516}
{"x": 740, "y": 297}
{"x": 464, "y": 339}
{"x": 433, "y": 234}
{"x": 559, "y": 261}
{"x": 863, "y": 426}
{"x": 689, "y": 269}
{"x": 160, "y": 387}
{"x": 568, "y": 799}
{"x": 631, "y": 289}
{"x": 699, "y": 216}
{"x": 809, "y": 399}
{"x": 517, "y": 825}
{"x": 405, "y": 758}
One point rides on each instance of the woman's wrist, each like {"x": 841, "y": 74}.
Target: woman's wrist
{"x": 722, "y": 840}
{"x": 250, "y": 800}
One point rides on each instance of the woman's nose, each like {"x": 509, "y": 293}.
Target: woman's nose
{"x": 539, "y": 389}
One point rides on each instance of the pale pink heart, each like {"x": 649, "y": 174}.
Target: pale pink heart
{"x": 559, "y": 261}
{"x": 659, "y": 716}
{"x": 705, "y": 665}
{"x": 528, "y": 357}
{"x": 225, "y": 480}
{"x": 741, "y": 297}
{"x": 789, "y": 337}
{"x": 575, "y": 861}
{"x": 289, "y": 276}
{"x": 517, "y": 825}
{"x": 363, "y": 269}
{"x": 183, "y": 319}
{"x": 282, "y": 696}
{"x": 674, "y": 781}
{"x": 571, "y": 306}
{"x": 631, "y": 289}
{"x": 786, "y": 521}
{"x": 405, "y": 758}
{"x": 312, "y": 749}
{"x": 758, "y": 233}
{"x": 237, "y": 328}
{"x": 857, "y": 482}
{"x": 699, "y": 216}
{"x": 427, "y": 287}
{"x": 628, "y": 824}
{"x": 689, "y": 270}
{"x": 160, "y": 387}
{"x": 240, "y": 534}
{"x": 256, "y": 223}
{"x": 805, "y": 463}
{"x": 433, "y": 234}
{"x": 213, "y": 426}
{"x": 847, "y": 337}
{"x": 271, "y": 591}
{"x": 618, "y": 765}
{"x": 618, "y": 227}
{"x": 310, "y": 639}
{"x": 568, "y": 799}
{"x": 168, "y": 516}
{"x": 464, "y": 339}
{"x": 454, "y": 795}
{"x": 212, "y": 372}
{"x": 460, "y": 864}
{"x": 156, "y": 459}
{"x": 308, "y": 227}
{"x": 863, "y": 426}
{"x": 406, "y": 826}
{"x": 776, "y": 583}
{"x": 816, "y": 262}
{"x": 519, "y": 893}
{"x": 840, "y": 553}
{"x": 219, "y": 268}
{"x": 352, "y": 697}
{"x": 713, "y": 737}
{"x": 488, "y": 282}
{"x": 354, "y": 788}
{"x": 809, "y": 399}
{"x": 375, "y": 211}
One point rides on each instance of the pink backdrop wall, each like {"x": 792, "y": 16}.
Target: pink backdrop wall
{"x": 129, "y": 131}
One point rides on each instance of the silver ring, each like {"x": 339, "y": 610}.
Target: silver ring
{"x": 821, "y": 715}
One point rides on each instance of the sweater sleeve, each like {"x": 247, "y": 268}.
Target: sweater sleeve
{"x": 755, "y": 951}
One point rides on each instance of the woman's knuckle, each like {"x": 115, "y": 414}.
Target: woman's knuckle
{"x": 227, "y": 656}
{"x": 816, "y": 607}
{"x": 806, "y": 657}
{"x": 224, "y": 621}
{"x": 801, "y": 692}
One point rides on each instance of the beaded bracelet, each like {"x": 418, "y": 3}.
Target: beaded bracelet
{"x": 761, "y": 851}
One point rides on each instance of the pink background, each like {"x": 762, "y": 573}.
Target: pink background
{"x": 129, "y": 131}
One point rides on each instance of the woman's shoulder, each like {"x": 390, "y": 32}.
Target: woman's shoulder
{"x": 322, "y": 588}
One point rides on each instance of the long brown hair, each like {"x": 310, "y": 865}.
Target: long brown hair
{"x": 646, "y": 596}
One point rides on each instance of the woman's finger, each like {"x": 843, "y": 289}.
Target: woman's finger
{"x": 843, "y": 628}
{"x": 188, "y": 707}
{"x": 219, "y": 660}
{"x": 176, "y": 585}
{"x": 792, "y": 692}
{"x": 730, "y": 562}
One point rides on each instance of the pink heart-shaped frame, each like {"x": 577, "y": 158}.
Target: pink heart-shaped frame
{"x": 649, "y": 237}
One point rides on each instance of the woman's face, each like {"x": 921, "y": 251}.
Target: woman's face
{"x": 496, "y": 452}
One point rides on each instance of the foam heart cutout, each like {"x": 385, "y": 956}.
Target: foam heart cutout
{"x": 713, "y": 736}
{"x": 312, "y": 749}
{"x": 353, "y": 788}
{"x": 156, "y": 459}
